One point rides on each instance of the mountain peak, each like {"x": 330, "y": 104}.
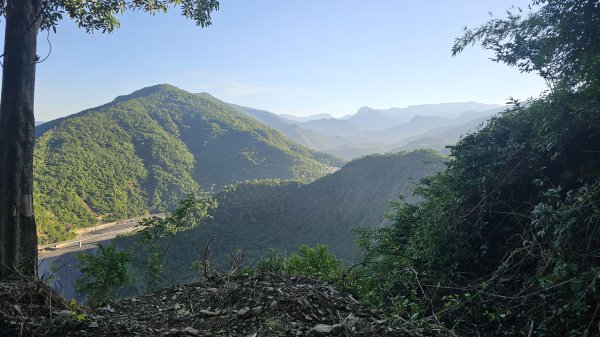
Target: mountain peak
{"x": 364, "y": 109}
{"x": 148, "y": 91}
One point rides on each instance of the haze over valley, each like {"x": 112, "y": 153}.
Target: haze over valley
{"x": 378, "y": 131}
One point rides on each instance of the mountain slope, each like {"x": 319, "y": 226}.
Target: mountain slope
{"x": 257, "y": 215}
{"x": 145, "y": 151}
{"x": 332, "y": 127}
{"x": 305, "y": 118}
{"x": 375, "y": 119}
{"x": 441, "y": 137}
{"x": 379, "y": 131}
{"x": 306, "y": 137}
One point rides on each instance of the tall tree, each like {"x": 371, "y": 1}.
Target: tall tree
{"x": 558, "y": 39}
{"x": 23, "y": 20}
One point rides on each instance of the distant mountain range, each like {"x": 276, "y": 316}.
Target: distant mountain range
{"x": 145, "y": 151}
{"x": 305, "y": 119}
{"x": 371, "y": 130}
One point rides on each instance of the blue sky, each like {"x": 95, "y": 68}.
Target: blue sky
{"x": 300, "y": 57}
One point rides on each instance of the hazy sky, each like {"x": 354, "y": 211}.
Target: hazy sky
{"x": 299, "y": 57}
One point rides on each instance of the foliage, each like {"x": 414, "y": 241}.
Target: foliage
{"x": 560, "y": 40}
{"x": 103, "y": 15}
{"x": 191, "y": 212}
{"x": 144, "y": 152}
{"x": 261, "y": 214}
{"x": 506, "y": 240}
{"x": 314, "y": 262}
{"x": 506, "y": 236}
{"x": 317, "y": 263}
{"x": 273, "y": 262}
{"x": 102, "y": 275}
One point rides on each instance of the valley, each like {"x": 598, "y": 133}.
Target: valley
{"x": 159, "y": 211}
{"x": 144, "y": 152}
{"x": 254, "y": 216}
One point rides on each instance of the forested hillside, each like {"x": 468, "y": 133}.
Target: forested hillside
{"x": 258, "y": 215}
{"x": 145, "y": 151}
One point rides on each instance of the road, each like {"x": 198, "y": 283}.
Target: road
{"x": 89, "y": 238}
{"x": 63, "y": 255}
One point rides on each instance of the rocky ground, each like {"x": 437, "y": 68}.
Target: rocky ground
{"x": 264, "y": 305}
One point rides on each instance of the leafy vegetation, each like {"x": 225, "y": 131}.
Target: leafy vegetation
{"x": 102, "y": 275}
{"x": 191, "y": 212}
{"x": 261, "y": 214}
{"x": 506, "y": 239}
{"x": 315, "y": 262}
{"x": 106, "y": 273}
{"x": 144, "y": 152}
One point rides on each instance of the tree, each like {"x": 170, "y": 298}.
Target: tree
{"x": 560, "y": 41}
{"x": 103, "y": 275}
{"x": 505, "y": 240}
{"x": 24, "y": 18}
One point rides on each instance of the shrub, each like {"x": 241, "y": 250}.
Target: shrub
{"x": 102, "y": 275}
{"x": 314, "y": 262}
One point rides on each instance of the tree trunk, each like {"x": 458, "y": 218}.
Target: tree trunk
{"x": 18, "y": 239}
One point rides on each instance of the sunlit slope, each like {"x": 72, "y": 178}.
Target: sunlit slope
{"x": 257, "y": 215}
{"x": 145, "y": 151}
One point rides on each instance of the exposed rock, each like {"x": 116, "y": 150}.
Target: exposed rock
{"x": 256, "y": 311}
{"x": 349, "y": 321}
{"x": 244, "y": 312}
{"x": 191, "y": 331}
{"x": 265, "y": 305}
{"x": 322, "y": 330}
{"x": 206, "y": 313}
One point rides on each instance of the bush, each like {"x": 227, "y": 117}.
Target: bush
{"x": 506, "y": 236}
{"x": 273, "y": 263}
{"x": 316, "y": 262}
{"x": 102, "y": 275}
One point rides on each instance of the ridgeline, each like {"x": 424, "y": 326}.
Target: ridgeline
{"x": 145, "y": 151}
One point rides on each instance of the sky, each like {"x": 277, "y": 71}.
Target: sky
{"x": 299, "y": 57}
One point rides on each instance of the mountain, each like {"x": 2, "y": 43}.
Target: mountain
{"x": 370, "y": 119}
{"x": 373, "y": 119}
{"x": 420, "y": 132}
{"x": 440, "y": 137}
{"x": 415, "y": 126}
{"x": 447, "y": 110}
{"x": 378, "y": 131}
{"x": 332, "y": 127}
{"x": 304, "y": 118}
{"x": 306, "y": 137}
{"x": 145, "y": 151}
{"x": 257, "y": 215}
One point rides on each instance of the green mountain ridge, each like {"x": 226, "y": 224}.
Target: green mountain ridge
{"x": 145, "y": 151}
{"x": 257, "y": 215}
